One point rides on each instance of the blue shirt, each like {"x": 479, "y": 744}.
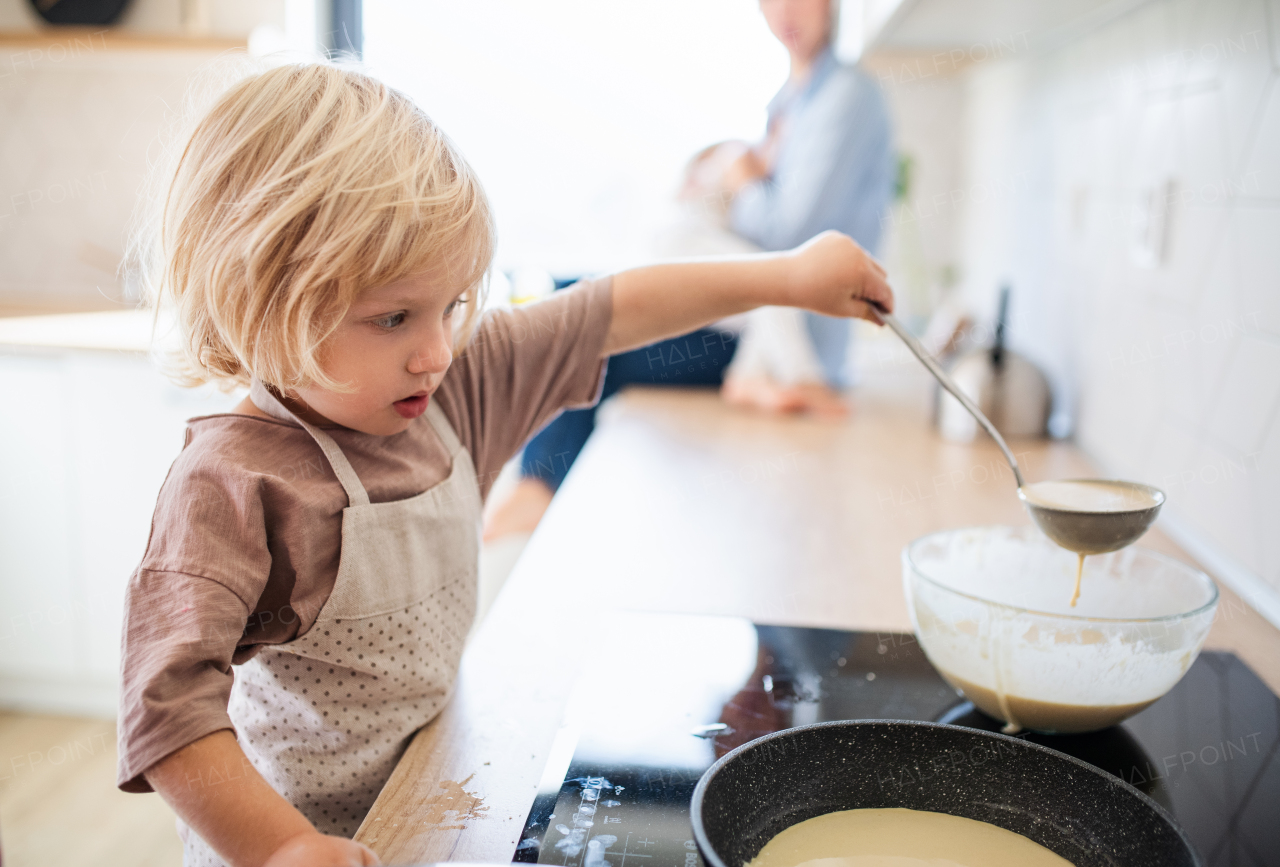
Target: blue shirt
{"x": 834, "y": 169}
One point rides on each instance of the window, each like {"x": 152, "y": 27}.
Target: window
{"x": 579, "y": 115}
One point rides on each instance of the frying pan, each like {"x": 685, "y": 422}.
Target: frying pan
{"x": 1087, "y": 816}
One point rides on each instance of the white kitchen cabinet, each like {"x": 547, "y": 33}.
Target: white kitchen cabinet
{"x": 86, "y": 439}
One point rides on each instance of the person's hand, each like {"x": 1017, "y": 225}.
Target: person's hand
{"x": 313, "y": 849}
{"x": 831, "y": 274}
{"x": 704, "y": 174}
{"x": 746, "y": 168}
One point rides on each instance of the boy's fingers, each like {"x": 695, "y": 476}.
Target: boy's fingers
{"x": 876, "y": 290}
{"x": 863, "y": 310}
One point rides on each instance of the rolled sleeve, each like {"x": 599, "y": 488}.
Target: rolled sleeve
{"x": 524, "y": 366}
{"x": 180, "y": 634}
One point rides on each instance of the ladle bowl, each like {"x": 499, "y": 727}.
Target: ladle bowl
{"x": 1080, "y": 530}
{"x": 1097, "y": 532}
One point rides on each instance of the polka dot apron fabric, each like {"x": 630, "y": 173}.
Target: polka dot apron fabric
{"x": 325, "y": 718}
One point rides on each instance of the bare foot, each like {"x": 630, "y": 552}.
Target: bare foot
{"x": 520, "y": 512}
{"x": 760, "y": 393}
{"x": 819, "y": 399}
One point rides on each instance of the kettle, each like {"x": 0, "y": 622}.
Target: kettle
{"x": 1008, "y": 388}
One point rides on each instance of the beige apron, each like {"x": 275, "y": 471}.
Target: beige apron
{"x": 325, "y": 717}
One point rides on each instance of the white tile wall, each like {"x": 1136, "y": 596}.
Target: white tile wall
{"x": 1266, "y": 464}
{"x": 1243, "y": 65}
{"x": 1257, "y": 180}
{"x": 919, "y": 241}
{"x": 1255, "y": 228}
{"x": 1245, "y": 406}
{"x": 1172, "y": 374}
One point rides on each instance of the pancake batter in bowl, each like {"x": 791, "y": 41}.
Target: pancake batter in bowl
{"x": 896, "y": 837}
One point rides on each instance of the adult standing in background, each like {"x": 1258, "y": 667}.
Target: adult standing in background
{"x": 826, "y": 162}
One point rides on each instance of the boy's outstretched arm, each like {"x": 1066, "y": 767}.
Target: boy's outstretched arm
{"x": 243, "y": 818}
{"x": 830, "y": 274}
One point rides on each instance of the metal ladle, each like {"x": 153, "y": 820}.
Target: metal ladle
{"x": 1079, "y": 530}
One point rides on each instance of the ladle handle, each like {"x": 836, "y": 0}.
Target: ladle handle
{"x": 949, "y": 384}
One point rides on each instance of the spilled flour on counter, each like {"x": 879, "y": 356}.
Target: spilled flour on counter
{"x": 456, "y": 800}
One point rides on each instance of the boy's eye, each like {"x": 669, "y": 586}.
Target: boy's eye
{"x": 453, "y": 305}
{"x": 389, "y": 321}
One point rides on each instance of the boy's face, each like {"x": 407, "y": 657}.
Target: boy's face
{"x": 394, "y": 346}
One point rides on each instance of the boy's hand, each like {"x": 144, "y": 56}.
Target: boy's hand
{"x": 313, "y": 849}
{"x": 831, "y": 274}
{"x": 248, "y": 823}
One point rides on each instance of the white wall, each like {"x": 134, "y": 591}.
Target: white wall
{"x": 80, "y": 116}
{"x": 1167, "y": 370}
{"x": 78, "y": 134}
{"x": 920, "y": 243}
{"x": 579, "y": 115}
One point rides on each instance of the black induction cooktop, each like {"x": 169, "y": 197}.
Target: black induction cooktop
{"x": 661, "y": 697}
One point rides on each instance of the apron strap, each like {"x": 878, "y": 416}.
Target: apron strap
{"x": 356, "y": 494}
{"x": 268, "y": 403}
{"x": 440, "y": 424}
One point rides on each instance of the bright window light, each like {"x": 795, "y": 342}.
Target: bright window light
{"x": 579, "y": 115}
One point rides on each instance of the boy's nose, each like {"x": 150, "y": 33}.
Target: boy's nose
{"x": 432, "y": 357}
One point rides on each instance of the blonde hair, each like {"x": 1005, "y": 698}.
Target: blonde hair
{"x": 302, "y": 187}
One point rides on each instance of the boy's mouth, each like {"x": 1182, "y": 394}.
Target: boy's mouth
{"x": 413, "y": 406}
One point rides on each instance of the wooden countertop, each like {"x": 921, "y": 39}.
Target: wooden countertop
{"x": 682, "y": 504}
{"x": 128, "y": 330}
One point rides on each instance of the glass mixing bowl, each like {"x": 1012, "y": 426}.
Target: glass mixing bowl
{"x": 990, "y": 607}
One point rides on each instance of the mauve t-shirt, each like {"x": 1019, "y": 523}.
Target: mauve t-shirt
{"x": 247, "y": 530}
